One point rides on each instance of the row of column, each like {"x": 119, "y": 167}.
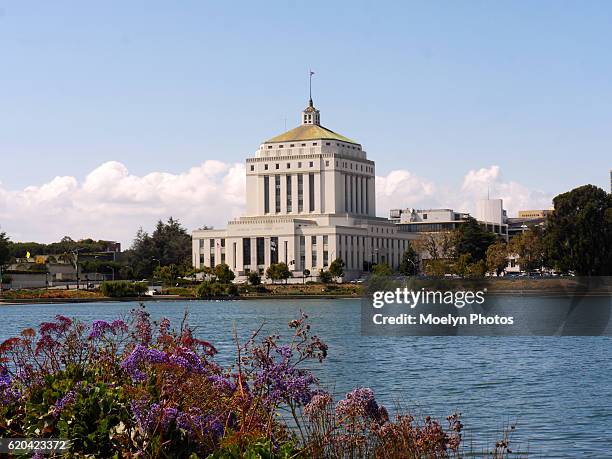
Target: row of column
{"x": 312, "y": 192}
{"x": 358, "y": 193}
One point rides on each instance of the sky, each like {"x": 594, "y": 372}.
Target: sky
{"x": 116, "y": 114}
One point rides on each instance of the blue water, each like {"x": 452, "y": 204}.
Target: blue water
{"x": 557, "y": 389}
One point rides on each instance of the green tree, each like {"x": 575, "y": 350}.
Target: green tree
{"x": 382, "y": 269}
{"x": 166, "y": 274}
{"x": 336, "y": 268}
{"x": 254, "y": 278}
{"x": 462, "y": 265}
{"x": 579, "y": 232}
{"x": 4, "y": 248}
{"x": 471, "y": 239}
{"x": 438, "y": 268}
{"x": 224, "y": 274}
{"x": 497, "y": 257}
{"x": 325, "y": 276}
{"x": 168, "y": 244}
{"x": 278, "y": 271}
{"x": 529, "y": 247}
{"x": 409, "y": 266}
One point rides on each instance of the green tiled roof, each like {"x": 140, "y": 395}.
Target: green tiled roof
{"x": 309, "y": 132}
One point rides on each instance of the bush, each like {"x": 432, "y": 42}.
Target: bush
{"x": 214, "y": 289}
{"x": 123, "y": 288}
{"x": 325, "y": 276}
{"x": 254, "y": 278}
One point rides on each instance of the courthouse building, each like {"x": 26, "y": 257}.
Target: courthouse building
{"x": 310, "y": 199}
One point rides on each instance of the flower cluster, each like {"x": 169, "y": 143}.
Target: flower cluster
{"x": 140, "y": 356}
{"x": 359, "y": 403}
{"x": 8, "y": 393}
{"x": 100, "y": 327}
{"x": 64, "y": 402}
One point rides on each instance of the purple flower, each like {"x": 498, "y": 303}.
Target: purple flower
{"x": 98, "y": 328}
{"x": 119, "y": 326}
{"x": 147, "y": 417}
{"x": 222, "y": 383}
{"x": 8, "y": 393}
{"x": 188, "y": 360}
{"x": 65, "y": 401}
{"x": 140, "y": 356}
{"x": 142, "y": 325}
{"x": 359, "y": 402}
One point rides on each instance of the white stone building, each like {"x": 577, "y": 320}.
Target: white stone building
{"x": 310, "y": 199}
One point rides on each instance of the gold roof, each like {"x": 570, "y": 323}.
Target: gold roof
{"x": 309, "y": 132}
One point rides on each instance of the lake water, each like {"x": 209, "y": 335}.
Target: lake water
{"x": 557, "y": 389}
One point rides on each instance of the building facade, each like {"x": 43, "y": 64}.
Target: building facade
{"x": 310, "y": 199}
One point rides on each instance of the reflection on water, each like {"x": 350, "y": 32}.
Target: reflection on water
{"x": 557, "y": 388}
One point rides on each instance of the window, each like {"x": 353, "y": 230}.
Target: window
{"x": 292, "y": 145}
{"x": 313, "y": 241}
{"x": 303, "y": 144}
{"x": 311, "y": 164}
{"x": 311, "y": 192}
{"x": 302, "y": 252}
{"x": 265, "y": 166}
{"x": 299, "y": 165}
{"x": 289, "y": 200}
{"x": 277, "y": 194}
{"x": 269, "y": 147}
{"x": 327, "y": 143}
{"x": 288, "y": 165}
{"x": 266, "y": 194}
{"x": 280, "y": 146}
{"x": 276, "y": 166}
{"x": 246, "y": 251}
{"x": 260, "y": 251}
{"x": 314, "y": 144}
{"x": 327, "y": 163}
{"x": 252, "y": 168}
{"x": 424, "y": 216}
{"x": 300, "y": 191}
{"x": 273, "y": 250}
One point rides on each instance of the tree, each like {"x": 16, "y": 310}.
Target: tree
{"x": 4, "y": 248}
{"x": 437, "y": 268}
{"x": 305, "y": 274}
{"x": 529, "y": 247}
{"x": 579, "y": 232}
{"x": 168, "y": 244}
{"x": 166, "y": 274}
{"x": 409, "y": 266}
{"x": 254, "y": 278}
{"x": 382, "y": 269}
{"x": 224, "y": 274}
{"x": 278, "y": 271}
{"x": 497, "y": 258}
{"x": 325, "y": 276}
{"x": 471, "y": 239}
{"x": 437, "y": 245}
{"x": 336, "y": 268}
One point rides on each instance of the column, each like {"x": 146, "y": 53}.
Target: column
{"x": 283, "y": 194}
{"x": 306, "y": 184}
{"x": 320, "y": 251}
{"x": 266, "y": 253}
{"x": 318, "y": 194}
{"x": 272, "y": 194}
{"x": 359, "y": 197}
{"x": 294, "y": 194}
{"x": 308, "y": 253}
{"x": 253, "y": 265}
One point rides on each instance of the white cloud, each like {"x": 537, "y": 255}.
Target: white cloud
{"x": 111, "y": 203}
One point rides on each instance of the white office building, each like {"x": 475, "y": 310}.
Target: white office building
{"x": 310, "y": 199}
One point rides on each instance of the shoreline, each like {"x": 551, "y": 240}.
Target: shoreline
{"x": 177, "y": 298}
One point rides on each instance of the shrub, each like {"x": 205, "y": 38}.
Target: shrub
{"x": 254, "y": 278}
{"x": 123, "y": 288}
{"x": 325, "y": 276}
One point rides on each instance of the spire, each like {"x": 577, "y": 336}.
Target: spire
{"x": 310, "y": 74}
{"x": 310, "y": 115}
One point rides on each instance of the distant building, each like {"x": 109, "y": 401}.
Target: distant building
{"x": 490, "y": 215}
{"x": 534, "y": 213}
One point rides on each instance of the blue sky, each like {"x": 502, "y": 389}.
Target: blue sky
{"x": 436, "y": 88}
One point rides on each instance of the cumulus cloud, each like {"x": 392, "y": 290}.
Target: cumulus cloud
{"x": 402, "y": 189}
{"x": 111, "y": 203}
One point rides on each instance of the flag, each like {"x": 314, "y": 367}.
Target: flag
{"x": 311, "y": 73}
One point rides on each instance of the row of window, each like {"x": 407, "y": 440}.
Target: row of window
{"x": 289, "y": 196}
{"x": 345, "y": 164}
{"x": 348, "y": 250}
{"x": 314, "y": 144}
